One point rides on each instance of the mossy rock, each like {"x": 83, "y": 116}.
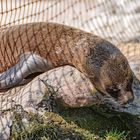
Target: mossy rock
{"x": 99, "y": 120}
{"x": 88, "y": 123}
{"x": 50, "y": 126}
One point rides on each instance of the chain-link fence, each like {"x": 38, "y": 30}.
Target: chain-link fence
{"x": 25, "y": 48}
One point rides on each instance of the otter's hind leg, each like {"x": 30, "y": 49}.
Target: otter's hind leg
{"x": 29, "y": 63}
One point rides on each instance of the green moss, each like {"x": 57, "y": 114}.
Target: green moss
{"x": 50, "y": 126}
{"x": 97, "y": 120}
{"x": 115, "y": 135}
{"x": 89, "y": 123}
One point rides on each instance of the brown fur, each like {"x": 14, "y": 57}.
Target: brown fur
{"x": 101, "y": 61}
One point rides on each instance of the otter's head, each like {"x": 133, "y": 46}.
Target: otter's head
{"x": 109, "y": 71}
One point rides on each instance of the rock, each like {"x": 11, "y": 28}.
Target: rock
{"x": 68, "y": 86}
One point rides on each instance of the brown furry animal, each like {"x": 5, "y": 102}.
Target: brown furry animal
{"x": 38, "y": 47}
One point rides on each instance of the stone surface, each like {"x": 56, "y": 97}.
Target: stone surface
{"x": 67, "y": 84}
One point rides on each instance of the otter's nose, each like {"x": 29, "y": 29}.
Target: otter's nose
{"x": 126, "y": 97}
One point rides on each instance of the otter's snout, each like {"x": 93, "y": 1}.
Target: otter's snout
{"x": 126, "y": 97}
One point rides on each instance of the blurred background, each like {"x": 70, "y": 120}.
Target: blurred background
{"x": 116, "y": 20}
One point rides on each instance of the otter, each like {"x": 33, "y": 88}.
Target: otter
{"x": 33, "y": 48}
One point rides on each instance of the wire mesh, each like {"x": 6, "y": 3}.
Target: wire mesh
{"x": 115, "y": 21}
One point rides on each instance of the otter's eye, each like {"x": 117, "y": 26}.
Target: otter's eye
{"x": 114, "y": 92}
